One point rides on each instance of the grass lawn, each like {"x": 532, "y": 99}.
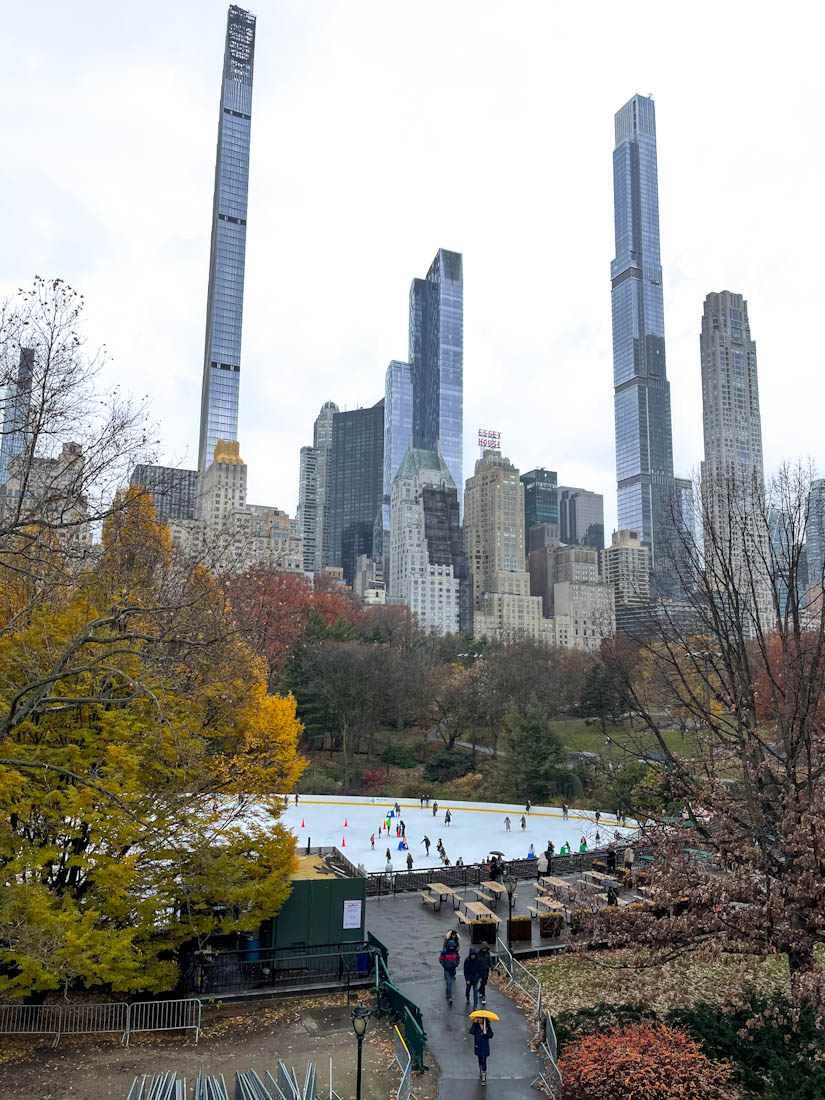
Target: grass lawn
{"x": 580, "y": 737}
{"x": 571, "y": 982}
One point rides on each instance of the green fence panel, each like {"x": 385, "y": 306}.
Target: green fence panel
{"x": 415, "y": 1038}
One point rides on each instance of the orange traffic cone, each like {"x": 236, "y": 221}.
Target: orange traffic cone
{"x": 343, "y": 842}
{"x": 345, "y": 823}
{"x": 302, "y": 823}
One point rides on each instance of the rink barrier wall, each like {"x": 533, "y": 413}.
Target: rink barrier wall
{"x": 382, "y": 883}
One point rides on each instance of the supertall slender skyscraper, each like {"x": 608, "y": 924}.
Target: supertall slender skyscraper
{"x": 644, "y": 446}
{"x": 16, "y": 413}
{"x": 436, "y": 354}
{"x": 224, "y": 306}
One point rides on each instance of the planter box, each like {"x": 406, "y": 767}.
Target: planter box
{"x": 520, "y": 930}
{"x": 551, "y": 925}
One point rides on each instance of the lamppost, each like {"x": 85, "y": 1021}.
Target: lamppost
{"x": 510, "y": 886}
{"x": 360, "y": 1017}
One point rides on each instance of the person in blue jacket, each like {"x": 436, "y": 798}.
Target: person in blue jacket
{"x": 482, "y": 1033}
{"x": 449, "y": 959}
{"x": 472, "y": 972}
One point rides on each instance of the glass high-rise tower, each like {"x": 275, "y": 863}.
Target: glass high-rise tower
{"x": 224, "y": 306}
{"x": 644, "y": 445}
{"x": 436, "y": 355}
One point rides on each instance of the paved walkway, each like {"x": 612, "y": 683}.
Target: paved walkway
{"x": 414, "y": 935}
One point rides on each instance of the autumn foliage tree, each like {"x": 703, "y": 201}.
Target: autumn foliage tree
{"x": 742, "y": 657}
{"x": 643, "y": 1062}
{"x": 135, "y": 726}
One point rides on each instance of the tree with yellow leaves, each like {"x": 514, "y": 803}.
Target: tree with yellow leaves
{"x": 135, "y": 732}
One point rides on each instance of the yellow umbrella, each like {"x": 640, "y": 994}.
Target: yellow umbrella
{"x": 483, "y": 1014}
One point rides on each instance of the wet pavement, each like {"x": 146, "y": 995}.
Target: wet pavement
{"x": 414, "y": 935}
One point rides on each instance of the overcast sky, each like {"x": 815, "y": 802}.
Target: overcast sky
{"x": 382, "y": 131}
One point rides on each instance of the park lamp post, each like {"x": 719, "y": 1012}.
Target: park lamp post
{"x": 510, "y": 886}
{"x": 360, "y": 1018}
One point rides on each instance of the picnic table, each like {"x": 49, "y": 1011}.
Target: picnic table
{"x": 445, "y": 891}
{"x": 479, "y": 912}
{"x": 555, "y": 884}
{"x": 601, "y": 879}
{"x": 496, "y": 889}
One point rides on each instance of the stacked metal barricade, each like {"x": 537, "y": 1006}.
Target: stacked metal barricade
{"x": 248, "y": 1086}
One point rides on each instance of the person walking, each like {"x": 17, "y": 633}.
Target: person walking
{"x": 507, "y": 824}
{"x": 471, "y": 976}
{"x": 598, "y": 818}
{"x": 409, "y": 861}
{"x": 523, "y": 822}
{"x": 403, "y": 829}
{"x": 448, "y": 817}
{"x": 482, "y": 1033}
{"x": 449, "y": 959}
{"x": 421, "y": 800}
{"x": 372, "y": 843}
{"x": 611, "y": 857}
{"x": 389, "y": 854}
{"x": 629, "y": 856}
{"x": 564, "y": 811}
{"x": 435, "y": 808}
{"x": 397, "y": 809}
{"x": 426, "y": 843}
{"x": 455, "y": 937}
{"x": 484, "y": 963}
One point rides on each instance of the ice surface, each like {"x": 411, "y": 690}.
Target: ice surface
{"x": 476, "y": 829}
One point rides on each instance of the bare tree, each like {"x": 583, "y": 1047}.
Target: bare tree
{"x": 743, "y": 655}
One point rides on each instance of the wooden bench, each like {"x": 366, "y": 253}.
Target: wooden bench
{"x": 431, "y": 899}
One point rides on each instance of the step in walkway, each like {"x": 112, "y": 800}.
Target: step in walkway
{"x": 414, "y": 935}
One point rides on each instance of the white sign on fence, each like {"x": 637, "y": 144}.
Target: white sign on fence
{"x": 352, "y": 914}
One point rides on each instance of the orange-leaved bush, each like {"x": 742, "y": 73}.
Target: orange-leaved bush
{"x": 645, "y": 1062}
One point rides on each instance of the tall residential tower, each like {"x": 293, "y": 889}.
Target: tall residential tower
{"x": 644, "y": 447}
{"x": 436, "y": 355}
{"x": 224, "y": 305}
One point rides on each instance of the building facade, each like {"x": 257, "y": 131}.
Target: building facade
{"x": 428, "y": 562}
{"x": 815, "y": 534}
{"x": 16, "y": 409}
{"x": 227, "y": 258}
{"x": 174, "y": 491}
{"x": 644, "y": 446}
{"x": 50, "y": 489}
{"x": 308, "y": 506}
{"x": 355, "y": 482}
{"x": 436, "y": 356}
{"x": 737, "y": 535}
{"x": 541, "y": 499}
{"x": 581, "y": 517}
{"x": 566, "y": 579}
{"x": 494, "y": 518}
{"x": 626, "y": 566}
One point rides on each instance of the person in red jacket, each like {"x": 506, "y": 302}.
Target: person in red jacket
{"x": 449, "y": 959}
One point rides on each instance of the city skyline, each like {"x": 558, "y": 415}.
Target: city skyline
{"x": 151, "y": 313}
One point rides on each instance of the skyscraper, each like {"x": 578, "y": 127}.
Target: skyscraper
{"x": 541, "y": 499}
{"x": 581, "y": 517}
{"x": 730, "y": 391}
{"x": 16, "y": 410}
{"x": 644, "y": 447}
{"x": 398, "y": 420}
{"x": 224, "y": 305}
{"x": 494, "y": 537}
{"x": 737, "y": 535}
{"x": 174, "y": 491}
{"x": 427, "y": 556}
{"x": 815, "y": 533}
{"x": 355, "y": 482}
{"x": 308, "y": 506}
{"x": 322, "y": 442}
{"x": 436, "y": 354}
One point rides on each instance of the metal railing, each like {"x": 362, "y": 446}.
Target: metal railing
{"x": 103, "y": 1018}
{"x": 403, "y": 1059}
{"x": 392, "y": 1001}
{"x": 520, "y": 977}
{"x": 385, "y": 883}
{"x": 272, "y": 968}
{"x": 249, "y": 1085}
{"x": 551, "y": 1078}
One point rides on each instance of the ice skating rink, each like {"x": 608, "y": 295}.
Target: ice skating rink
{"x": 476, "y": 829}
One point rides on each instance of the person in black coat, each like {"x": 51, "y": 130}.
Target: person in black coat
{"x": 482, "y": 1033}
{"x": 484, "y": 964}
{"x": 472, "y": 972}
